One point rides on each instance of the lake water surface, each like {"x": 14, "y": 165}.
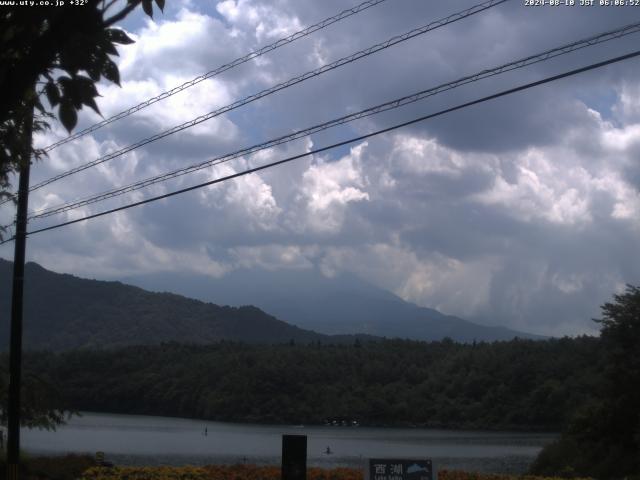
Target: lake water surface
{"x": 135, "y": 439}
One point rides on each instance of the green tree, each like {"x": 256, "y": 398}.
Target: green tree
{"x": 603, "y": 439}
{"x": 58, "y": 53}
{"x": 620, "y": 334}
{"x": 42, "y": 404}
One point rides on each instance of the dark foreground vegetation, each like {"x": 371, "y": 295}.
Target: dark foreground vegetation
{"x": 65, "y": 467}
{"x": 75, "y": 467}
{"x": 602, "y": 438}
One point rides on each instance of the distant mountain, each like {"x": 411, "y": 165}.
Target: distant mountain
{"x": 65, "y": 312}
{"x": 341, "y": 305}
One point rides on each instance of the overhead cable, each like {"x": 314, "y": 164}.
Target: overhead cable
{"x": 343, "y": 143}
{"x": 295, "y": 80}
{"x": 222, "y": 68}
{"x": 390, "y": 105}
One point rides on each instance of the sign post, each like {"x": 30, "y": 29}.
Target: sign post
{"x": 399, "y": 469}
{"x": 294, "y": 457}
{"x": 15, "y": 343}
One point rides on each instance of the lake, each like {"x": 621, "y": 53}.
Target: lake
{"x": 136, "y": 439}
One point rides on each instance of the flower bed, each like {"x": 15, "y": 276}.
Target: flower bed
{"x": 250, "y": 472}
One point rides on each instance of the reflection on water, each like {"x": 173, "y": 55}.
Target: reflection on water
{"x": 131, "y": 439}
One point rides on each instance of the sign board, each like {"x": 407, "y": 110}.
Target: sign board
{"x": 100, "y": 458}
{"x": 399, "y": 469}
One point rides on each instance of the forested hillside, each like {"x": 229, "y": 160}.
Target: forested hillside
{"x": 520, "y": 384}
{"x": 65, "y": 312}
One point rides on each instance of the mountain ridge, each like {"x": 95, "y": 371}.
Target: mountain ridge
{"x": 62, "y": 311}
{"x": 343, "y": 304}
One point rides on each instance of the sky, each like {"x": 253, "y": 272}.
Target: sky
{"x": 523, "y": 211}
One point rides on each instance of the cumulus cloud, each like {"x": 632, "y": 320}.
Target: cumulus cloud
{"x": 628, "y": 106}
{"x": 267, "y": 23}
{"x": 329, "y": 187}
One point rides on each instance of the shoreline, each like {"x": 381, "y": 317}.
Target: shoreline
{"x": 140, "y": 440}
{"x": 508, "y": 429}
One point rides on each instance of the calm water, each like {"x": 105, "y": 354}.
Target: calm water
{"x": 131, "y": 439}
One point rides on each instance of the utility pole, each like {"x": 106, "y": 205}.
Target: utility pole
{"x": 15, "y": 346}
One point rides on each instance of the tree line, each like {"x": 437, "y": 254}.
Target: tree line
{"x": 521, "y": 384}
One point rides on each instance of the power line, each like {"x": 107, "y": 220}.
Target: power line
{"x": 295, "y": 80}
{"x": 223, "y": 68}
{"x": 345, "y": 142}
{"x": 390, "y": 105}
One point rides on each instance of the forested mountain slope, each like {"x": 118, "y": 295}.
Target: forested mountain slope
{"x": 64, "y": 312}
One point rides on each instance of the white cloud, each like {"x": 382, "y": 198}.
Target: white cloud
{"x": 328, "y": 187}
{"x": 627, "y": 108}
{"x": 273, "y": 257}
{"x": 571, "y": 283}
{"x": 264, "y": 20}
{"x": 551, "y": 185}
{"x": 254, "y": 197}
{"x": 441, "y": 282}
{"x": 205, "y": 97}
{"x": 175, "y": 45}
{"x": 419, "y": 156}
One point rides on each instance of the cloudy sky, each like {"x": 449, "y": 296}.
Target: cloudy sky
{"x": 523, "y": 212}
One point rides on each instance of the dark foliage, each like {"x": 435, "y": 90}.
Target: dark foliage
{"x": 603, "y": 438}
{"x": 58, "y": 54}
{"x": 41, "y": 406}
{"x": 66, "y": 312}
{"x": 507, "y": 385}
{"x": 66, "y": 467}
